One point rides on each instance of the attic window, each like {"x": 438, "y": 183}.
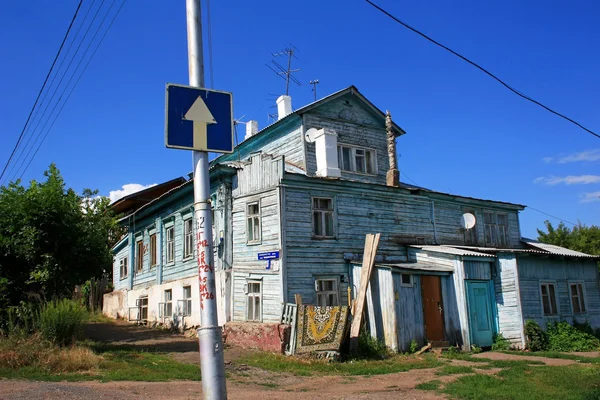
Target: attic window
{"x": 357, "y": 159}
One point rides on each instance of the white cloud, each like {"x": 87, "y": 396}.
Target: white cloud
{"x": 588, "y": 155}
{"x": 128, "y": 189}
{"x": 568, "y": 180}
{"x": 590, "y": 197}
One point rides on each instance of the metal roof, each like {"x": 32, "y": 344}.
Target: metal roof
{"x": 451, "y": 250}
{"x": 418, "y": 266}
{"x": 555, "y": 250}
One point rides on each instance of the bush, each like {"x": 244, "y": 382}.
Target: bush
{"x": 370, "y": 348}
{"x": 501, "y": 343}
{"x": 414, "y": 346}
{"x": 537, "y": 339}
{"x": 564, "y": 337}
{"x": 62, "y": 322}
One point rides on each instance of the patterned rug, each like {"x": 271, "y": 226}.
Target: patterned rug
{"x": 320, "y": 328}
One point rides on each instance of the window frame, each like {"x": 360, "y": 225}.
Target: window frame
{"x": 255, "y": 218}
{"x": 253, "y": 295}
{"x": 323, "y": 213}
{"x": 153, "y": 250}
{"x": 502, "y": 230}
{"x": 170, "y": 244}
{"x": 188, "y": 239}
{"x": 411, "y": 279}
{"x": 167, "y": 303}
{"x": 123, "y": 264}
{"x": 139, "y": 260}
{"x": 581, "y": 296}
{"x": 556, "y": 302}
{"x": 352, "y": 162}
{"x": 186, "y": 310}
{"x": 335, "y": 291}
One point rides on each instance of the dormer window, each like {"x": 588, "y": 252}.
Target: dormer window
{"x": 357, "y": 159}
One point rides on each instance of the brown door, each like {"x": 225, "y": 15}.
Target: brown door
{"x": 432, "y": 307}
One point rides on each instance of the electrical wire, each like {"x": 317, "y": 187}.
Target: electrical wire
{"x": 550, "y": 215}
{"x": 76, "y": 82}
{"x": 515, "y": 91}
{"x": 18, "y": 159}
{"x": 42, "y": 88}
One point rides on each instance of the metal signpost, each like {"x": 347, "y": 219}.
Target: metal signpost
{"x": 202, "y": 120}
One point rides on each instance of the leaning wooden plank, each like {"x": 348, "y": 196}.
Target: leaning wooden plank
{"x": 371, "y": 244}
{"x": 423, "y": 349}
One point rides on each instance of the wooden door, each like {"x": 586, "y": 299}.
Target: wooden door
{"x": 432, "y": 307}
{"x": 480, "y": 313}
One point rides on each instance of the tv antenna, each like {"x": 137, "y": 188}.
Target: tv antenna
{"x": 314, "y": 82}
{"x": 285, "y": 73}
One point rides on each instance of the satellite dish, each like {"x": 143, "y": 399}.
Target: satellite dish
{"x": 467, "y": 220}
{"x": 310, "y": 135}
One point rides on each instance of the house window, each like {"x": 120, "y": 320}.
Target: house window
{"x": 254, "y": 301}
{"x": 502, "y": 222}
{"x": 153, "y": 250}
{"x": 143, "y": 308}
{"x": 357, "y": 159}
{"x": 188, "y": 235}
{"x": 167, "y": 305}
{"x": 170, "y": 244}
{"x": 186, "y": 303}
{"x": 406, "y": 280}
{"x": 253, "y": 222}
{"x": 577, "y": 298}
{"x": 123, "y": 267}
{"x": 322, "y": 217}
{"x": 140, "y": 256}
{"x": 327, "y": 292}
{"x": 489, "y": 220}
{"x": 548, "y": 293}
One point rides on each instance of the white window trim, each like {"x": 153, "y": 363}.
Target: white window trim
{"x": 191, "y": 255}
{"x": 336, "y": 291}
{"x": 167, "y": 261}
{"x": 583, "y": 295}
{"x": 260, "y": 296}
{"x": 259, "y": 240}
{"x": 123, "y": 262}
{"x": 412, "y": 280}
{"x": 353, "y": 149}
{"x": 185, "y": 301}
{"x": 557, "y": 314}
{"x": 333, "y": 217}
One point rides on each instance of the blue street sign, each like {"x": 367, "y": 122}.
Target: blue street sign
{"x": 198, "y": 119}
{"x": 271, "y": 255}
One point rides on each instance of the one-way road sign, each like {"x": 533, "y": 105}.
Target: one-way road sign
{"x": 198, "y": 119}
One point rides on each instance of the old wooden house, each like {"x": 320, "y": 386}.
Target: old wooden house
{"x": 305, "y": 190}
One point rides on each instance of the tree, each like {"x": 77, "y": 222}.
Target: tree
{"x": 581, "y": 238}
{"x": 51, "y": 239}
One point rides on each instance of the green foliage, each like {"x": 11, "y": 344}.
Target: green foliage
{"x": 537, "y": 339}
{"x": 62, "y": 322}
{"x": 431, "y": 385}
{"x": 501, "y": 343}
{"x": 414, "y": 346}
{"x": 564, "y": 337}
{"x": 581, "y": 238}
{"x": 475, "y": 349}
{"x": 454, "y": 369}
{"x": 51, "y": 239}
{"x": 370, "y": 348}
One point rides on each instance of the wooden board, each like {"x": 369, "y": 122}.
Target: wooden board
{"x": 371, "y": 244}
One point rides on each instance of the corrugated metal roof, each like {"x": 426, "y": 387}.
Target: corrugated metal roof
{"x": 451, "y": 250}
{"x": 556, "y": 250}
{"x": 419, "y": 266}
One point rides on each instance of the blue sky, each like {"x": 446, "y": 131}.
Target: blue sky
{"x": 465, "y": 133}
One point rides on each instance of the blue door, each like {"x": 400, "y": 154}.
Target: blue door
{"x": 480, "y": 313}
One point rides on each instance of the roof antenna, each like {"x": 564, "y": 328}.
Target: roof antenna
{"x": 286, "y": 73}
{"x": 314, "y": 89}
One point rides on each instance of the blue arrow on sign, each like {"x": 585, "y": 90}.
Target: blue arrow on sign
{"x": 198, "y": 119}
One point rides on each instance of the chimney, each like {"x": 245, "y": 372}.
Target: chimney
{"x": 393, "y": 175}
{"x": 284, "y": 106}
{"x": 251, "y": 129}
{"x": 327, "y": 153}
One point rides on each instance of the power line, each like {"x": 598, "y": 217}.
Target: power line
{"x": 42, "y": 88}
{"x": 73, "y": 87}
{"x": 552, "y": 216}
{"x": 18, "y": 159}
{"x": 515, "y": 91}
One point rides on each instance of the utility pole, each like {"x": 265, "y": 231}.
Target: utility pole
{"x": 209, "y": 335}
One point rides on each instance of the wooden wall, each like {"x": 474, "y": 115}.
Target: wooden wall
{"x": 508, "y": 302}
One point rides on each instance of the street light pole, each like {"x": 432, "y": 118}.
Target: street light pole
{"x": 209, "y": 335}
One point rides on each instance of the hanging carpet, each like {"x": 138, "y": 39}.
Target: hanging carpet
{"x": 320, "y": 328}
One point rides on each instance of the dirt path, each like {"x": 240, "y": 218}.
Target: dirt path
{"x": 515, "y": 357}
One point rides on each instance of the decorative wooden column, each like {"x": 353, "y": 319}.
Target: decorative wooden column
{"x": 393, "y": 174}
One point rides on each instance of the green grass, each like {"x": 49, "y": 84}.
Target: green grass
{"x": 144, "y": 366}
{"x": 296, "y": 366}
{"x": 431, "y": 385}
{"x": 454, "y": 369}
{"x": 556, "y": 354}
{"x": 529, "y": 383}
